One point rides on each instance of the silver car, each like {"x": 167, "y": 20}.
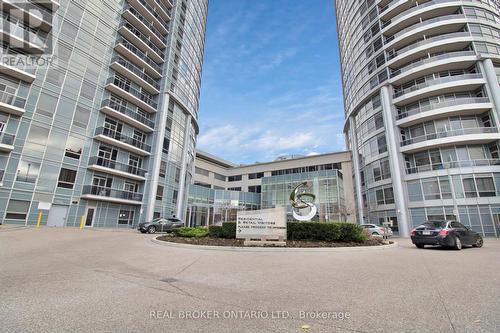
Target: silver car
{"x": 376, "y": 230}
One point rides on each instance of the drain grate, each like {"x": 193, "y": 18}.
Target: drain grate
{"x": 169, "y": 280}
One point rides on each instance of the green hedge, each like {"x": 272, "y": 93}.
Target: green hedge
{"x": 315, "y": 231}
{"x": 325, "y": 231}
{"x": 191, "y": 232}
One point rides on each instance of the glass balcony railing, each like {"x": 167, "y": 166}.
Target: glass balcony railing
{"x": 431, "y": 59}
{"x": 23, "y": 33}
{"x": 452, "y": 102}
{"x": 146, "y": 98}
{"x": 393, "y": 54}
{"x": 151, "y": 27}
{"x": 144, "y": 38}
{"x": 110, "y": 164}
{"x": 12, "y": 99}
{"x": 413, "y": 9}
{"x": 452, "y": 165}
{"x": 128, "y": 112}
{"x": 137, "y": 71}
{"x": 132, "y": 48}
{"x": 122, "y": 138}
{"x": 447, "y": 134}
{"x": 111, "y": 193}
{"x": 437, "y": 81}
{"x": 7, "y": 139}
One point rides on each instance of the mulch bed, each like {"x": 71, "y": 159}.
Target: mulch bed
{"x": 289, "y": 243}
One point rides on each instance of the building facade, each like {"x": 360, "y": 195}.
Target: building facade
{"x": 103, "y": 133}
{"x": 221, "y": 188}
{"x": 422, "y": 108}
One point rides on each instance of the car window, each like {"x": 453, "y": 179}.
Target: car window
{"x": 435, "y": 224}
{"x": 457, "y": 225}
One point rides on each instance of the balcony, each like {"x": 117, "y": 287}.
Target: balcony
{"x": 465, "y": 82}
{"x": 134, "y": 96}
{"x": 10, "y": 103}
{"x": 20, "y": 37}
{"x": 53, "y": 5}
{"x": 447, "y": 42}
{"x": 123, "y": 141}
{"x": 6, "y": 142}
{"x": 131, "y": 33}
{"x": 132, "y": 53}
{"x": 394, "y": 8}
{"x": 98, "y": 163}
{"x": 463, "y": 106}
{"x": 148, "y": 29}
{"x": 91, "y": 192}
{"x": 149, "y": 13}
{"x": 480, "y": 135}
{"x": 29, "y": 12}
{"x": 135, "y": 74}
{"x": 453, "y": 165}
{"x": 15, "y": 67}
{"x": 127, "y": 115}
{"x": 159, "y": 8}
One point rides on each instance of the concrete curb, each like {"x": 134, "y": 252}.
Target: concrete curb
{"x": 273, "y": 249}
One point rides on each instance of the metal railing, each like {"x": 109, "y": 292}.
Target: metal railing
{"x": 391, "y": 55}
{"x": 455, "y": 102}
{"x": 128, "y": 112}
{"x": 136, "y": 70}
{"x": 24, "y": 33}
{"x": 152, "y": 11}
{"x": 431, "y": 59}
{"x": 452, "y": 164}
{"x": 150, "y": 26}
{"x": 447, "y": 134}
{"x": 102, "y": 191}
{"x": 122, "y": 138}
{"x": 437, "y": 81}
{"x": 12, "y": 99}
{"x": 132, "y": 48}
{"x": 110, "y": 164}
{"x": 146, "y": 98}
{"x": 7, "y": 139}
{"x": 144, "y": 38}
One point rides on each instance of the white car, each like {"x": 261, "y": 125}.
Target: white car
{"x": 376, "y": 230}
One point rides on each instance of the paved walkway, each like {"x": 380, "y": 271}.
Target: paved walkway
{"x": 55, "y": 280}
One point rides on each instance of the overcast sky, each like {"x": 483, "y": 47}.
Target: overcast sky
{"x": 271, "y": 80}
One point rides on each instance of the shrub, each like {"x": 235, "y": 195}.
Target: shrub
{"x": 229, "y": 230}
{"x": 325, "y": 231}
{"x": 215, "y": 231}
{"x": 191, "y": 232}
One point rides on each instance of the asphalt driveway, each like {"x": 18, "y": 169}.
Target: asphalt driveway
{"x": 68, "y": 280}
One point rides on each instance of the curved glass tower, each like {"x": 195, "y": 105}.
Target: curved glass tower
{"x": 422, "y": 102}
{"x": 102, "y": 133}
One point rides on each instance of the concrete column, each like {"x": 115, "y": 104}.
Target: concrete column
{"x": 492, "y": 85}
{"x": 396, "y": 171}
{"x": 356, "y": 166}
{"x": 155, "y": 158}
{"x": 181, "y": 210}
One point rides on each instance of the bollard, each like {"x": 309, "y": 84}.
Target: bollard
{"x": 39, "y": 220}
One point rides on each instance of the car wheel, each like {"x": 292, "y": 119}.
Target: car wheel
{"x": 420, "y": 246}
{"x": 143, "y": 232}
{"x": 152, "y": 229}
{"x": 479, "y": 242}
{"x": 458, "y": 244}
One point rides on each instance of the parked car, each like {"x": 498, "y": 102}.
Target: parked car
{"x": 445, "y": 233}
{"x": 160, "y": 224}
{"x": 376, "y": 230}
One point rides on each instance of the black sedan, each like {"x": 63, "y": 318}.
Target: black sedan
{"x": 160, "y": 224}
{"x": 445, "y": 233}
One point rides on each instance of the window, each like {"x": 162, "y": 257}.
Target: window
{"x": 469, "y": 187}
{"x": 255, "y": 189}
{"x": 88, "y": 90}
{"x": 27, "y": 171}
{"x": 66, "y": 178}
{"x": 431, "y": 189}
{"x": 257, "y": 175}
{"x": 46, "y": 105}
{"x": 17, "y": 210}
{"x": 131, "y": 187}
{"x": 159, "y": 192}
{"x": 156, "y": 215}
{"x": 82, "y": 116}
{"x": 163, "y": 169}
{"x": 126, "y": 217}
{"x": 219, "y": 176}
{"x": 74, "y": 147}
{"x": 485, "y": 187}
{"x": 201, "y": 171}
{"x": 174, "y": 196}
{"x": 234, "y": 189}
{"x": 166, "y": 144}
{"x": 37, "y": 138}
{"x": 234, "y": 178}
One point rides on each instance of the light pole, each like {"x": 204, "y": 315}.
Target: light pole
{"x": 452, "y": 188}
